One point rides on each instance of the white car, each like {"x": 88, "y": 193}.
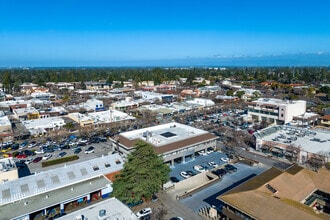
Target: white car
{"x": 89, "y": 150}
{"x": 213, "y": 164}
{"x": 28, "y": 161}
{"x": 144, "y": 212}
{"x": 41, "y": 151}
{"x": 184, "y": 174}
{"x": 202, "y": 152}
{"x": 225, "y": 159}
{"x": 46, "y": 156}
{"x": 199, "y": 168}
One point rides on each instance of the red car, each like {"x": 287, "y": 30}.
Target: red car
{"x": 37, "y": 159}
{"x": 21, "y": 156}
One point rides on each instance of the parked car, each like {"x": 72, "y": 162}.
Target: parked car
{"x": 190, "y": 173}
{"x": 37, "y": 159}
{"x": 21, "y": 155}
{"x": 28, "y": 161}
{"x": 62, "y": 154}
{"x": 184, "y": 174}
{"x": 230, "y": 168}
{"x": 174, "y": 179}
{"x": 46, "y": 156}
{"x": 176, "y": 218}
{"x": 40, "y": 151}
{"x": 89, "y": 150}
{"x": 28, "y": 152}
{"x": 202, "y": 152}
{"x": 225, "y": 159}
{"x": 219, "y": 172}
{"x": 132, "y": 204}
{"x": 77, "y": 151}
{"x": 212, "y": 164}
{"x": 144, "y": 212}
{"x": 7, "y": 155}
{"x": 199, "y": 168}
{"x": 154, "y": 198}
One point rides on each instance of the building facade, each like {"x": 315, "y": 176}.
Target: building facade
{"x": 172, "y": 141}
{"x": 275, "y": 110}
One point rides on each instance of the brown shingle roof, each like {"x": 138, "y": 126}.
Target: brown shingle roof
{"x": 292, "y": 186}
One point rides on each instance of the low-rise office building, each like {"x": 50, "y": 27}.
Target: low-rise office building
{"x": 6, "y": 131}
{"x": 8, "y": 170}
{"x": 296, "y": 144}
{"x": 275, "y": 110}
{"x": 39, "y": 127}
{"x": 58, "y": 190}
{"x": 28, "y": 113}
{"x": 172, "y": 141}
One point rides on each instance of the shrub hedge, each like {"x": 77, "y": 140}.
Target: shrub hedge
{"x": 59, "y": 160}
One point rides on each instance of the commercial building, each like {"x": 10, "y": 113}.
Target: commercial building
{"x": 325, "y": 121}
{"x": 109, "y": 209}
{"x": 172, "y": 141}
{"x": 100, "y": 85}
{"x": 38, "y": 127}
{"x": 58, "y": 190}
{"x": 275, "y": 110}
{"x": 103, "y": 119}
{"x": 28, "y": 113}
{"x": 8, "y": 170}
{"x": 296, "y": 193}
{"x": 296, "y": 144}
{"x": 6, "y": 131}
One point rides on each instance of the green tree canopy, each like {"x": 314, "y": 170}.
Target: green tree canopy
{"x": 143, "y": 175}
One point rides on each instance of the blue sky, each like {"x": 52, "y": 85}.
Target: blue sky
{"x": 100, "y": 32}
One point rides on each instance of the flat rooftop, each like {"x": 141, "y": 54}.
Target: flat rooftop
{"x": 276, "y": 101}
{"x": 314, "y": 141}
{"x": 114, "y": 209}
{"x": 44, "y": 181}
{"x": 165, "y": 134}
{"x": 109, "y": 116}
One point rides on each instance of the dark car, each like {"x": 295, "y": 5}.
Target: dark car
{"x": 174, "y": 179}
{"x": 15, "y": 146}
{"x": 62, "y": 154}
{"x": 29, "y": 152}
{"x": 48, "y": 150}
{"x": 132, "y": 204}
{"x": 37, "y": 159}
{"x": 230, "y": 168}
{"x": 77, "y": 151}
{"x": 219, "y": 172}
{"x": 190, "y": 173}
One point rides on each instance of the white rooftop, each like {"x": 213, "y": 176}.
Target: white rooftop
{"x": 306, "y": 139}
{"x": 50, "y": 122}
{"x": 276, "y": 101}
{"x": 21, "y": 111}
{"x": 38, "y": 183}
{"x": 4, "y": 120}
{"x": 114, "y": 209}
{"x": 164, "y": 134}
{"x": 109, "y": 116}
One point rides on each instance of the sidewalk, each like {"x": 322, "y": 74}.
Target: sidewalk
{"x": 176, "y": 208}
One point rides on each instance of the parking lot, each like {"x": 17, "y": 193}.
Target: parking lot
{"x": 102, "y": 148}
{"x": 202, "y": 160}
{"x": 207, "y": 197}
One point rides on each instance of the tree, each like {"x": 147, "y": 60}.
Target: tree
{"x": 143, "y": 175}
